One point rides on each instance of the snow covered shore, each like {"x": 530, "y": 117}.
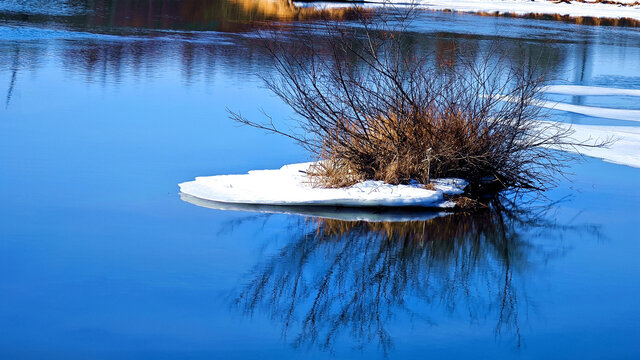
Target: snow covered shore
{"x": 290, "y": 186}
{"x": 624, "y": 9}
{"x": 522, "y": 7}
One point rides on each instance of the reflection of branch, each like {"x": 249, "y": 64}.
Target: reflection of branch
{"x": 350, "y": 278}
{"x": 14, "y": 75}
{"x": 509, "y": 306}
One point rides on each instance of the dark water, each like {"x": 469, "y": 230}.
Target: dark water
{"x": 103, "y": 114}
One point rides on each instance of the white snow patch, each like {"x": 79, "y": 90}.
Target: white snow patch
{"x": 290, "y": 186}
{"x": 580, "y": 90}
{"x": 609, "y": 113}
{"x": 626, "y": 148}
{"x": 625, "y": 151}
{"x": 519, "y": 7}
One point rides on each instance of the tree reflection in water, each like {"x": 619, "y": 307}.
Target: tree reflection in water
{"x": 342, "y": 278}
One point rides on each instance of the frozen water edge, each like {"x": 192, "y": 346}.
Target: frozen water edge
{"x": 290, "y": 186}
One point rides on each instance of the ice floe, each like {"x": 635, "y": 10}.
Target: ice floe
{"x": 581, "y": 90}
{"x": 601, "y": 112}
{"x": 608, "y": 113}
{"x": 290, "y": 186}
{"x": 625, "y": 150}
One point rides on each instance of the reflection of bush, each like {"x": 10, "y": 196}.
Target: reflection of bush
{"x": 350, "y": 278}
{"x": 411, "y": 232}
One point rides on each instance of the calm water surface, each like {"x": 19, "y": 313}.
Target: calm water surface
{"x": 107, "y": 106}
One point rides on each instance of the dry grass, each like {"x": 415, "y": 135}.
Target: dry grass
{"x": 429, "y": 186}
{"x": 580, "y": 20}
{"x": 434, "y": 142}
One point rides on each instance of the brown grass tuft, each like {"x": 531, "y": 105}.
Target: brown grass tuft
{"x": 429, "y": 186}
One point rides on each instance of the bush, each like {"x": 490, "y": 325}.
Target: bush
{"x": 371, "y": 105}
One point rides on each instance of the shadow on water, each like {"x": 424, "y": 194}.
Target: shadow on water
{"x": 353, "y": 279}
{"x": 344, "y": 213}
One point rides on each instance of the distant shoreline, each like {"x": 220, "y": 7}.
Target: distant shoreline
{"x": 625, "y": 13}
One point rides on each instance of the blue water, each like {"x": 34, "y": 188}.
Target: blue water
{"x": 101, "y": 259}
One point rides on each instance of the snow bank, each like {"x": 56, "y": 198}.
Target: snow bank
{"x": 290, "y": 186}
{"x": 521, "y": 7}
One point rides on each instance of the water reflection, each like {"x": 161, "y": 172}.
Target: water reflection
{"x": 160, "y": 40}
{"x": 352, "y": 278}
{"x": 111, "y": 60}
{"x": 122, "y": 16}
{"x": 99, "y": 255}
{"x": 14, "y": 73}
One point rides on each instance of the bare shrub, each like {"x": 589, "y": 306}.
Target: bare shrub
{"x": 373, "y": 105}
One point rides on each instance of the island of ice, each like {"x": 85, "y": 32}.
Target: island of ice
{"x": 290, "y": 186}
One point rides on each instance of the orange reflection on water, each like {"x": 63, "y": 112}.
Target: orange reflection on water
{"x": 218, "y": 15}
